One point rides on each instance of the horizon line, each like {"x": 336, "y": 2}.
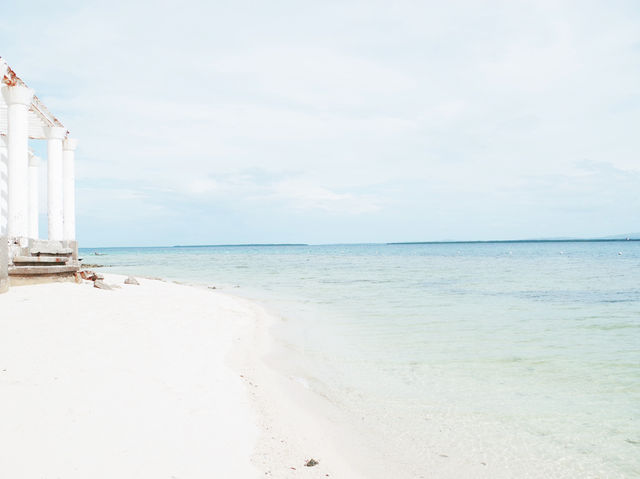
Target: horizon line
{"x": 393, "y": 243}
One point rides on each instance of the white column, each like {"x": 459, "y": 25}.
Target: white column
{"x": 69, "y": 186}
{"x": 4, "y": 193}
{"x": 55, "y": 200}
{"x": 34, "y": 173}
{"x": 18, "y": 99}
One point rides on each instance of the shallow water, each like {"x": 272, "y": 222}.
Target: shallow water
{"x": 517, "y": 359}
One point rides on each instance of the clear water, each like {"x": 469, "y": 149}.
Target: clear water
{"x": 521, "y": 358}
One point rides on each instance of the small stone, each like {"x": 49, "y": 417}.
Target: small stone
{"x": 90, "y": 275}
{"x": 131, "y": 280}
{"x": 212, "y": 287}
{"x": 311, "y": 462}
{"x": 101, "y": 285}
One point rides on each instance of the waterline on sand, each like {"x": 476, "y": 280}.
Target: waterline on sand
{"x": 505, "y": 357}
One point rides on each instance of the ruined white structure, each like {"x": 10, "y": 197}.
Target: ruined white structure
{"x": 23, "y": 254}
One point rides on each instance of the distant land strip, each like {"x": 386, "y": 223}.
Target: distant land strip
{"x": 619, "y": 240}
{"x": 238, "y": 245}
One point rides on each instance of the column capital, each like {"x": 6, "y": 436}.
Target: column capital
{"x": 70, "y": 144}
{"x": 17, "y": 95}
{"x": 55, "y": 132}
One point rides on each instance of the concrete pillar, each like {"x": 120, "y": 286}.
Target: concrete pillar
{"x": 4, "y": 191}
{"x": 55, "y": 208}
{"x": 69, "y": 186}
{"x": 34, "y": 175}
{"x": 18, "y": 98}
{"x": 4, "y": 195}
{"x": 4, "y": 264}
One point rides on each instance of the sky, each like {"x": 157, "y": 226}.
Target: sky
{"x": 207, "y": 122}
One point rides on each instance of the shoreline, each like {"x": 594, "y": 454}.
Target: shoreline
{"x": 178, "y": 379}
{"x": 163, "y": 379}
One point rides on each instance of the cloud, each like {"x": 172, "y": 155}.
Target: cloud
{"x": 305, "y": 195}
{"x": 339, "y": 109}
{"x": 292, "y": 193}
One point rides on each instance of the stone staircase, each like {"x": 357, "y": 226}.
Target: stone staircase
{"x": 42, "y": 260}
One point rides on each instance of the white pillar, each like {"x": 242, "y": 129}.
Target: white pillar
{"x": 69, "y": 186}
{"x": 4, "y": 192}
{"x": 55, "y": 200}
{"x": 18, "y": 98}
{"x": 34, "y": 174}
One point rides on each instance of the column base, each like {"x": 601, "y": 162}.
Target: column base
{"x": 39, "y": 261}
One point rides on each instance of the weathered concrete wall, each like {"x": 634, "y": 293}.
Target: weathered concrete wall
{"x": 74, "y": 246}
{"x": 4, "y": 264}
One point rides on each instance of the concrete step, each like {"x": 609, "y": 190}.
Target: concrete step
{"x": 41, "y": 259}
{"x": 41, "y": 270}
{"x": 49, "y": 247}
{"x": 51, "y": 251}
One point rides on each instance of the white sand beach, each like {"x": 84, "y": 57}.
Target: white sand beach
{"x": 420, "y": 218}
{"x": 149, "y": 381}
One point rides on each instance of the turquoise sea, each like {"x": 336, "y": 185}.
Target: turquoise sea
{"x": 523, "y": 358}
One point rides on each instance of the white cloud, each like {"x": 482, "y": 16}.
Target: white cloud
{"x": 328, "y": 107}
{"x": 305, "y": 195}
